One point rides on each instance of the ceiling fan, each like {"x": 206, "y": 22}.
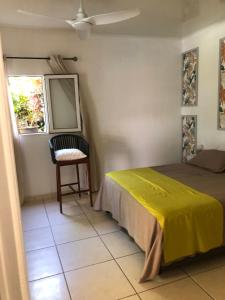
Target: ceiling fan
{"x": 83, "y": 24}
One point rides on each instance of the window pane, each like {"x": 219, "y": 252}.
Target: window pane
{"x": 63, "y": 105}
{"x": 28, "y": 100}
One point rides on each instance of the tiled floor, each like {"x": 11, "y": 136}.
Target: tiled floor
{"x": 84, "y": 255}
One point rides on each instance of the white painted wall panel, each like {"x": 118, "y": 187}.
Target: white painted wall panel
{"x": 131, "y": 88}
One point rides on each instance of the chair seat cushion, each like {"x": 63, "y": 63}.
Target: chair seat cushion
{"x": 69, "y": 154}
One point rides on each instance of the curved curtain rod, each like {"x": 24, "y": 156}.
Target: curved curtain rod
{"x": 44, "y": 58}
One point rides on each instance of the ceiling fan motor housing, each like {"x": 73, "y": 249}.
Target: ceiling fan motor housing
{"x": 82, "y": 25}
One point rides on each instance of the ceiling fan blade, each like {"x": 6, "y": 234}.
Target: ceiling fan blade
{"x": 28, "y": 13}
{"x": 70, "y": 22}
{"x": 113, "y": 17}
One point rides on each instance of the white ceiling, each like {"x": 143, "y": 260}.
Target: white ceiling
{"x": 201, "y": 13}
{"x": 158, "y": 17}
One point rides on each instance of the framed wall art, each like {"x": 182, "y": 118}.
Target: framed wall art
{"x": 189, "y": 137}
{"x": 190, "y": 77}
{"x": 221, "y": 106}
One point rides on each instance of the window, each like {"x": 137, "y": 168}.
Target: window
{"x": 27, "y": 93}
{"x": 59, "y": 113}
{"x": 63, "y": 103}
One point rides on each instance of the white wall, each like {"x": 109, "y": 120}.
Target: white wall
{"x": 207, "y": 40}
{"x": 130, "y": 86}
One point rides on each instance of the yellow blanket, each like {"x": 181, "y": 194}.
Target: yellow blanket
{"x": 191, "y": 221}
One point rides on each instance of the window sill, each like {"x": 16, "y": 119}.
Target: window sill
{"x": 33, "y": 134}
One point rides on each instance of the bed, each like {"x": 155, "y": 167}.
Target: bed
{"x": 142, "y": 225}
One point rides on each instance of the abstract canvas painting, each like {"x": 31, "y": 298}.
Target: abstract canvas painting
{"x": 221, "y": 110}
{"x": 190, "y": 78}
{"x": 189, "y": 137}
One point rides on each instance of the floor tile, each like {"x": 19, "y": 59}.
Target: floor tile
{"x": 94, "y": 213}
{"x": 43, "y": 263}
{"x": 53, "y": 205}
{"x": 34, "y": 215}
{"x": 56, "y": 218}
{"x": 79, "y": 229}
{"x": 180, "y": 290}
{"x": 90, "y": 210}
{"x": 99, "y": 282}
{"x": 33, "y": 206}
{"x": 205, "y": 264}
{"x": 103, "y": 224}
{"x": 85, "y": 199}
{"x": 84, "y": 202}
{"x": 34, "y": 220}
{"x": 38, "y": 239}
{"x": 135, "y": 297}
{"x": 132, "y": 266}
{"x": 51, "y": 288}
{"x": 83, "y": 253}
{"x": 213, "y": 282}
{"x": 120, "y": 244}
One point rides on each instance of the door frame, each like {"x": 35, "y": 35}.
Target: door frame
{"x": 13, "y": 273}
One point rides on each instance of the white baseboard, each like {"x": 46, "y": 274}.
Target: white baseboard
{"x": 35, "y": 198}
{"x": 52, "y": 196}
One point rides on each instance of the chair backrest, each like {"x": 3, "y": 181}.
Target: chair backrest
{"x": 68, "y": 141}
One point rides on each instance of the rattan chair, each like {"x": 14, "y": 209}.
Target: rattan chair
{"x": 70, "y": 141}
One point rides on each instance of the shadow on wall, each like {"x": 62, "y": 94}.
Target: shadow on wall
{"x": 92, "y": 132}
{"x": 117, "y": 154}
{"x": 110, "y": 152}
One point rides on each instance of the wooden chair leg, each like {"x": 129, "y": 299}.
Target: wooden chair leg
{"x": 57, "y": 182}
{"x": 59, "y": 194}
{"x": 89, "y": 182}
{"x": 78, "y": 179}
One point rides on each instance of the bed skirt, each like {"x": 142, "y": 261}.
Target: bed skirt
{"x": 140, "y": 224}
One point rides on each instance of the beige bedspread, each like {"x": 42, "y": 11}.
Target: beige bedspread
{"x": 140, "y": 224}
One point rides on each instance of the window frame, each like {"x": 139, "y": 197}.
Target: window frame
{"x": 47, "y": 79}
{"x": 46, "y": 131}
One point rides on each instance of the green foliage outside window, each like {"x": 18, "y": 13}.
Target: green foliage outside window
{"x": 28, "y": 101}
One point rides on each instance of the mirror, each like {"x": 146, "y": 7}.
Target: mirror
{"x": 62, "y": 93}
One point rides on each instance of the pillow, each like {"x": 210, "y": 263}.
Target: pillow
{"x": 212, "y": 160}
{"x": 69, "y": 154}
